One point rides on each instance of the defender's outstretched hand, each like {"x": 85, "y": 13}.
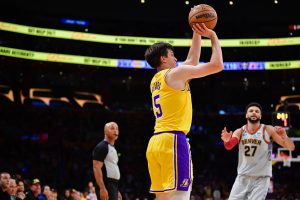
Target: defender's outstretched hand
{"x": 281, "y": 131}
{"x": 225, "y": 136}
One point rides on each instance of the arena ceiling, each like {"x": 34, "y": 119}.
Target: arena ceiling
{"x": 243, "y": 17}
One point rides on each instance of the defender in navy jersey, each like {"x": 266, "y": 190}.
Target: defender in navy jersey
{"x": 105, "y": 164}
{"x": 255, "y": 150}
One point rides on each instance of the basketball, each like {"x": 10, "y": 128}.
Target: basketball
{"x": 203, "y": 13}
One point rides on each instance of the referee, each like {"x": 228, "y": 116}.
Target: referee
{"x": 105, "y": 164}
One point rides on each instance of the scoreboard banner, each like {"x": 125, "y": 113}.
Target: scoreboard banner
{"x": 130, "y": 63}
{"x": 135, "y": 40}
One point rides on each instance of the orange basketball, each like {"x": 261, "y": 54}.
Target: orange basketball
{"x": 203, "y": 13}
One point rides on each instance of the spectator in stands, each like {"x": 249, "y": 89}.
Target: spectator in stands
{"x": 4, "y": 185}
{"x": 54, "y": 194}
{"x": 20, "y": 189}
{"x": 66, "y": 194}
{"x": 34, "y": 192}
{"x": 92, "y": 193}
{"x": 74, "y": 195}
{"x": 47, "y": 191}
{"x": 12, "y": 189}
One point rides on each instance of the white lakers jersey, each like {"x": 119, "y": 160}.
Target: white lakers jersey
{"x": 255, "y": 151}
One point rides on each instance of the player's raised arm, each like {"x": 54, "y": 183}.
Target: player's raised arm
{"x": 187, "y": 72}
{"x": 230, "y": 139}
{"x": 193, "y": 56}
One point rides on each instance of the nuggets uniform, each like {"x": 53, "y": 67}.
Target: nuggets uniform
{"x": 168, "y": 152}
{"x": 254, "y": 165}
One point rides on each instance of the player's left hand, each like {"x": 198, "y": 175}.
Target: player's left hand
{"x": 281, "y": 131}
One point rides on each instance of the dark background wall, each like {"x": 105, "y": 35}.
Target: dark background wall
{"x": 55, "y": 143}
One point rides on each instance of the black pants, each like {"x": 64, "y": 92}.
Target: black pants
{"x": 112, "y": 188}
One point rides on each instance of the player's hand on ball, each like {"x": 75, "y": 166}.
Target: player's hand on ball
{"x": 195, "y": 7}
{"x": 225, "y": 136}
{"x": 201, "y": 29}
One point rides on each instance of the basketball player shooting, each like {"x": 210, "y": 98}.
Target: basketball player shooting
{"x": 168, "y": 153}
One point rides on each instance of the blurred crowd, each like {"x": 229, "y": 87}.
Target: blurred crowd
{"x": 49, "y": 151}
{"x": 14, "y": 187}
